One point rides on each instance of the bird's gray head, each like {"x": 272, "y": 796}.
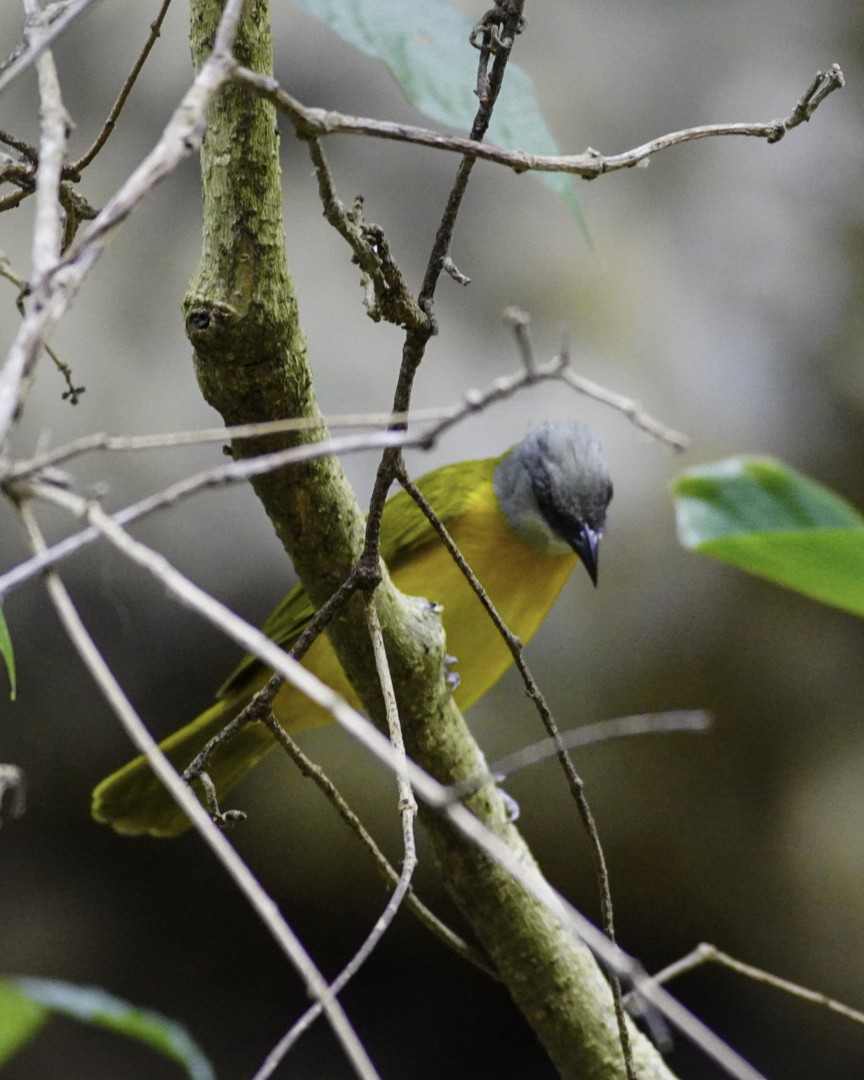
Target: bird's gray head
{"x": 553, "y": 488}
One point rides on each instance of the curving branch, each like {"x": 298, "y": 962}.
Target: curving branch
{"x": 316, "y": 123}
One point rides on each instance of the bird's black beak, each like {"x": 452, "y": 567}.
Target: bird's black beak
{"x": 586, "y": 544}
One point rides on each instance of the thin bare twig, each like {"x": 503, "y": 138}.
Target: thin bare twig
{"x": 27, "y": 151}
{"x": 74, "y": 170}
{"x": 260, "y": 707}
{"x": 431, "y": 921}
{"x": 706, "y": 953}
{"x": 630, "y": 408}
{"x": 171, "y": 440}
{"x": 48, "y": 222}
{"x": 261, "y": 903}
{"x": 388, "y": 295}
{"x": 47, "y": 227}
{"x": 407, "y": 812}
{"x": 234, "y": 472}
{"x": 30, "y": 51}
{"x": 622, "y": 727}
{"x": 557, "y": 369}
{"x": 14, "y": 199}
{"x": 407, "y": 802}
{"x": 560, "y": 367}
{"x": 72, "y": 393}
{"x": 519, "y": 322}
{"x": 588, "y": 165}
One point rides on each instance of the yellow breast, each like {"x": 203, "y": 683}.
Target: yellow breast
{"x": 521, "y": 582}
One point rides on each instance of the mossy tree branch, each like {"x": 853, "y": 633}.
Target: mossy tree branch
{"x": 250, "y": 358}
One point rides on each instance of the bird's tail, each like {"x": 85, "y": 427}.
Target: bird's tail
{"x": 133, "y": 800}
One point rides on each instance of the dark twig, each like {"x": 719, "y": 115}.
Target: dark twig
{"x": 73, "y": 171}
{"x": 391, "y": 298}
{"x": 25, "y": 149}
{"x": 72, "y": 393}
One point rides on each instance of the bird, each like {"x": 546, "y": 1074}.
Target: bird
{"x": 522, "y": 521}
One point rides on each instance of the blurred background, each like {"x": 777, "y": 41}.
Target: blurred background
{"x": 722, "y": 291}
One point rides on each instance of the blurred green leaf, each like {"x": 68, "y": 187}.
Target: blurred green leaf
{"x": 762, "y": 517}
{"x": 94, "y": 1006}
{"x": 425, "y": 46}
{"x": 7, "y": 653}
{"x": 20, "y": 1019}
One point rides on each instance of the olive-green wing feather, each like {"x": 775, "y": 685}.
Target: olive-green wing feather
{"x": 404, "y": 526}
{"x": 284, "y": 625}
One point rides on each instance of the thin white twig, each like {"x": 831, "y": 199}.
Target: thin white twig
{"x": 622, "y": 727}
{"x": 260, "y": 902}
{"x": 63, "y": 16}
{"x": 630, "y": 408}
{"x": 443, "y": 418}
{"x": 434, "y": 794}
{"x": 408, "y": 813}
{"x": 54, "y": 124}
{"x": 170, "y": 440}
{"x": 705, "y": 953}
{"x": 407, "y": 802}
{"x": 47, "y": 227}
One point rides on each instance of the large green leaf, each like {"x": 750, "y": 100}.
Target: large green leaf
{"x": 425, "y": 45}
{"x": 94, "y": 1006}
{"x": 7, "y": 653}
{"x": 759, "y": 515}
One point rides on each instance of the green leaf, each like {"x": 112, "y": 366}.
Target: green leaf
{"x": 95, "y": 1006}
{"x": 7, "y": 653}
{"x": 425, "y": 46}
{"x": 20, "y": 1019}
{"x": 762, "y": 517}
